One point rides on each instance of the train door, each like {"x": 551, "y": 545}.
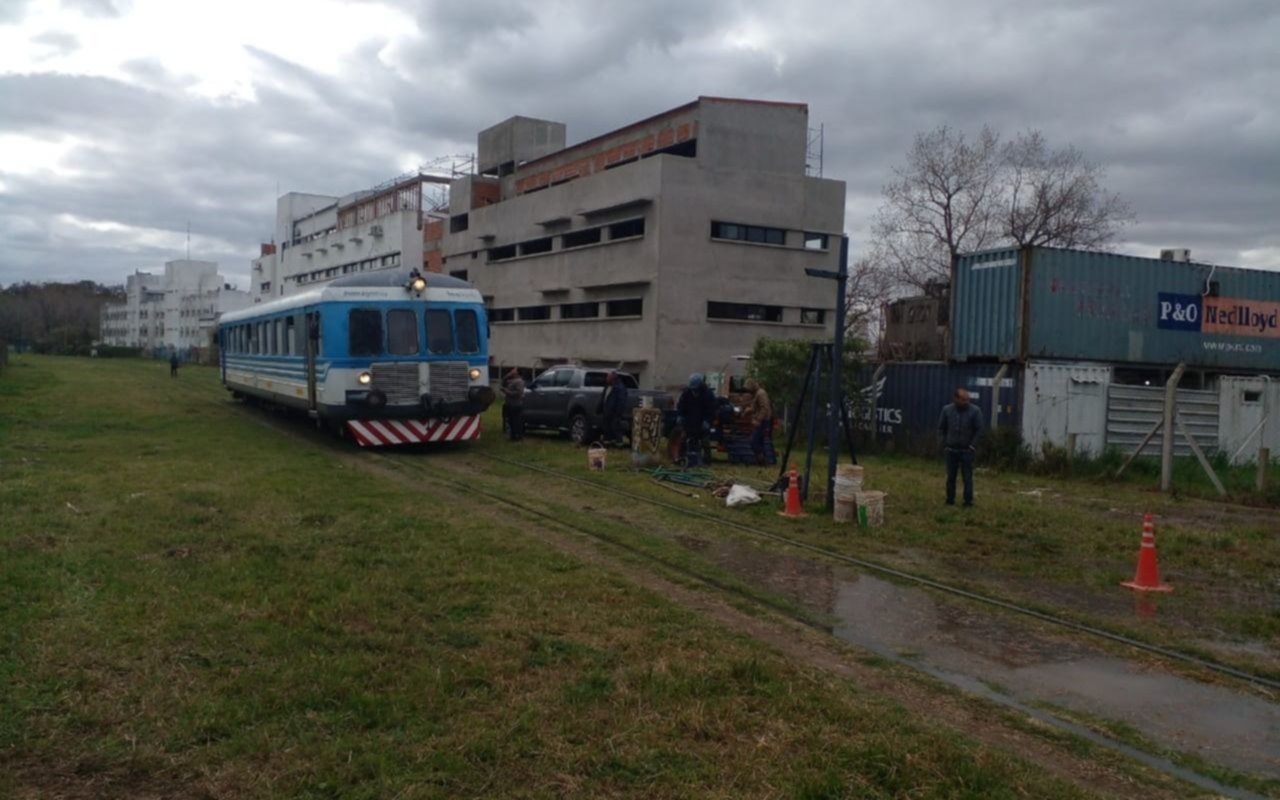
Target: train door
{"x": 313, "y": 350}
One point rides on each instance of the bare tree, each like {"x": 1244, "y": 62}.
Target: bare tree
{"x": 955, "y": 195}
{"x": 1056, "y": 197}
{"x": 939, "y": 204}
{"x": 869, "y": 286}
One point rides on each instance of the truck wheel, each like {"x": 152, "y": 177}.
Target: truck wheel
{"x": 579, "y": 430}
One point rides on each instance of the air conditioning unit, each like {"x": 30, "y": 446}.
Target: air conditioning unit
{"x": 1175, "y": 254}
{"x": 375, "y": 230}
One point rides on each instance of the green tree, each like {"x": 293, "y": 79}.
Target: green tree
{"x": 780, "y": 365}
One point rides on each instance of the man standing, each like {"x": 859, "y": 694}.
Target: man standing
{"x": 173, "y": 364}
{"x": 695, "y": 411}
{"x": 615, "y": 405}
{"x": 761, "y": 419}
{"x": 513, "y": 404}
{"x": 959, "y": 429}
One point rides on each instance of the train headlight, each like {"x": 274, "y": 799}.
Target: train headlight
{"x": 475, "y": 373}
{"x": 365, "y": 379}
{"x": 419, "y": 284}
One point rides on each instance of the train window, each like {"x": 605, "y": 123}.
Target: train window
{"x": 402, "y": 332}
{"x": 439, "y": 331}
{"x": 273, "y": 337}
{"x": 365, "y": 328}
{"x": 256, "y": 329}
{"x": 286, "y": 346}
{"x": 468, "y": 331}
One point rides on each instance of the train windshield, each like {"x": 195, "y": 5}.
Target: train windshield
{"x": 402, "y": 332}
{"x": 468, "y": 331}
{"x": 439, "y": 331}
{"x": 365, "y": 327}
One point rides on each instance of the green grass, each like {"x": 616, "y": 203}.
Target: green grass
{"x": 1059, "y": 544}
{"x": 192, "y": 604}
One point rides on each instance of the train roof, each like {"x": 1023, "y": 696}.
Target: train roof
{"x": 382, "y": 285}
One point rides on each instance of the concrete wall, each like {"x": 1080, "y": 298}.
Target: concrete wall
{"x": 756, "y": 136}
{"x": 696, "y": 268}
{"x": 517, "y": 139}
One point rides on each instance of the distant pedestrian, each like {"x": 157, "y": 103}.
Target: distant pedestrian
{"x": 959, "y": 430}
{"x": 615, "y": 406}
{"x": 695, "y": 411}
{"x": 513, "y": 404}
{"x": 761, "y": 420}
{"x": 173, "y": 365}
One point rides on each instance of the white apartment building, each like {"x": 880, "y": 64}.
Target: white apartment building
{"x": 318, "y": 237}
{"x": 175, "y": 310}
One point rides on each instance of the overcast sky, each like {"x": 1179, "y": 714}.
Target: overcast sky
{"x": 122, "y": 120}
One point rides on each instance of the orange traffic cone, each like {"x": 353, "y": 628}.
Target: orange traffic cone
{"x": 1147, "y": 578}
{"x": 794, "y": 509}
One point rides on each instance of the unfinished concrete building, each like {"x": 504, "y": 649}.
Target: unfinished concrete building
{"x": 667, "y": 246}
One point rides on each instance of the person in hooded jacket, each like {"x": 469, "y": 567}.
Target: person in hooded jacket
{"x": 695, "y": 413}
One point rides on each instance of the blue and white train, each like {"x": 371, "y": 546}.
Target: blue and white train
{"x": 392, "y": 357}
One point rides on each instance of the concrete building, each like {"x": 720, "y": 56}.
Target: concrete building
{"x": 667, "y": 246}
{"x": 318, "y": 237}
{"x": 175, "y": 310}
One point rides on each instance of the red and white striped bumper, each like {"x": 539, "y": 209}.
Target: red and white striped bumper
{"x": 379, "y": 432}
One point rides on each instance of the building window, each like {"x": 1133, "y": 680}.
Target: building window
{"x": 439, "y": 331}
{"x": 813, "y": 316}
{"x": 755, "y": 234}
{"x": 533, "y": 313}
{"x": 502, "y": 315}
{"x": 580, "y": 310}
{"x": 266, "y": 286}
{"x": 365, "y": 331}
{"x": 460, "y": 274}
{"x": 624, "y": 308}
{"x": 502, "y": 253}
{"x": 535, "y": 246}
{"x": 468, "y": 331}
{"x": 580, "y": 238}
{"x": 402, "y": 332}
{"x": 815, "y": 241}
{"x": 626, "y": 229}
{"x": 459, "y": 223}
{"x": 750, "y": 312}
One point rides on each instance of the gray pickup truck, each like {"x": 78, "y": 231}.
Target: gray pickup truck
{"x": 569, "y": 398}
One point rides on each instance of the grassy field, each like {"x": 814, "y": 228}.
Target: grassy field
{"x": 193, "y": 605}
{"x": 1059, "y": 544}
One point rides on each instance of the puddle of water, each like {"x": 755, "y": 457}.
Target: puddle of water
{"x": 988, "y": 654}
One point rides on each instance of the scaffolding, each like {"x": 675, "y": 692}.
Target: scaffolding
{"x": 813, "y": 154}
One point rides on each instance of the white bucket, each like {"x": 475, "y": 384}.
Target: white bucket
{"x": 596, "y": 457}
{"x": 848, "y": 481}
{"x": 845, "y": 509}
{"x": 870, "y": 509}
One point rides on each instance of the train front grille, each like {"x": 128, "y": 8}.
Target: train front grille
{"x": 448, "y": 381}
{"x": 399, "y": 382}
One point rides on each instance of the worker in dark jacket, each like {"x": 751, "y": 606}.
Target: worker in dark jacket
{"x": 695, "y": 412}
{"x": 959, "y": 430}
{"x": 614, "y": 407}
{"x": 173, "y": 364}
{"x": 513, "y": 404}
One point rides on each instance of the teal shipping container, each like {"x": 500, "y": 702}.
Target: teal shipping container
{"x": 1048, "y": 303}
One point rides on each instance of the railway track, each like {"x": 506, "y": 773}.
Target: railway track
{"x": 412, "y": 465}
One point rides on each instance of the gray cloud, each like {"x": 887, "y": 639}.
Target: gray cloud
{"x": 58, "y": 43}
{"x": 1178, "y": 99}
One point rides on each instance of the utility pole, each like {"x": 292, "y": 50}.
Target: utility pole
{"x": 836, "y": 402}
